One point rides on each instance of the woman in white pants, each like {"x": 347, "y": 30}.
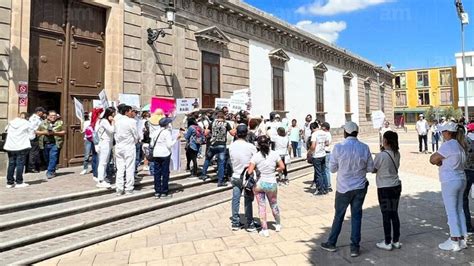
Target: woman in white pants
{"x": 105, "y": 129}
{"x": 450, "y": 158}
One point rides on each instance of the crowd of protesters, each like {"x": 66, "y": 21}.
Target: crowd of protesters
{"x": 253, "y": 153}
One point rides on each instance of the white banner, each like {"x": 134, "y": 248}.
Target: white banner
{"x": 222, "y": 102}
{"x": 103, "y": 99}
{"x": 79, "y": 108}
{"x": 185, "y": 106}
{"x": 378, "y": 117}
{"x": 130, "y": 99}
{"x": 237, "y": 104}
{"x": 98, "y": 104}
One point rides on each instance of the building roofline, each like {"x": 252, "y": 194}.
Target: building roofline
{"x": 469, "y": 53}
{"x": 421, "y": 68}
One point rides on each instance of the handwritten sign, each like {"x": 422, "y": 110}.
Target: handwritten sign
{"x": 222, "y": 102}
{"x": 130, "y": 99}
{"x": 103, "y": 99}
{"x": 185, "y": 106}
{"x": 237, "y": 104}
{"x": 79, "y": 108}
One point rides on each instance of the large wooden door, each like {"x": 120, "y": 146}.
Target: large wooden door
{"x": 67, "y": 58}
{"x": 210, "y": 79}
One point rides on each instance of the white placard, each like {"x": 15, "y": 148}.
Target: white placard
{"x": 242, "y": 94}
{"x": 98, "y": 104}
{"x": 130, "y": 99}
{"x": 378, "y": 117}
{"x": 237, "y": 104}
{"x": 103, "y": 99}
{"x": 222, "y": 102}
{"x": 185, "y": 106}
{"x": 79, "y": 108}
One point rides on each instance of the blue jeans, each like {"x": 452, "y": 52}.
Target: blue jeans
{"x": 162, "y": 174}
{"x": 319, "y": 165}
{"x": 355, "y": 198}
{"x": 16, "y": 163}
{"x": 218, "y": 150}
{"x": 139, "y": 157}
{"x": 89, "y": 148}
{"x": 51, "y": 153}
{"x": 328, "y": 172}
{"x": 452, "y": 192}
{"x": 294, "y": 147}
{"x": 248, "y": 198}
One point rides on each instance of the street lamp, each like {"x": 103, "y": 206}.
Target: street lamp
{"x": 154, "y": 34}
{"x": 464, "y": 18}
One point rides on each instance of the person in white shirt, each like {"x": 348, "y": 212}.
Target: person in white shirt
{"x": 266, "y": 161}
{"x": 307, "y": 131}
{"x": 34, "y": 159}
{"x": 295, "y": 136}
{"x": 241, "y": 153}
{"x": 282, "y": 144}
{"x": 161, "y": 143}
{"x": 435, "y": 136}
{"x": 318, "y": 149}
{"x": 422, "y": 130}
{"x": 451, "y": 159}
{"x": 105, "y": 129}
{"x": 126, "y": 136}
{"x": 326, "y": 127}
{"x": 17, "y": 145}
{"x": 352, "y": 160}
{"x": 87, "y": 143}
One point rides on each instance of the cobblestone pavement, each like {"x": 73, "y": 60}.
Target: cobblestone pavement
{"x": 205, "y": 237}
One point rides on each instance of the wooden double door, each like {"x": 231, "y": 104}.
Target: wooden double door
{"x": 67, "y": 57}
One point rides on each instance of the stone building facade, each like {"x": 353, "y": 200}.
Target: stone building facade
{"x": 74, "y": 49}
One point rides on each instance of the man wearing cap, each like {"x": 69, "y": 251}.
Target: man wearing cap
{"x": 34, "y": 153}
{"x": 422, "y": 128}
{"x": 126, "y": 136}
{"x": 352, "y": 160}
{"x": 241, "y": 153}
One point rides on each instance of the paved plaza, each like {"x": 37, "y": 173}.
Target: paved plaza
{"x": 205, "y": 237}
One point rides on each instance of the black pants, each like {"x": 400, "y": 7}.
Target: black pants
{"x": 285, "y": 171}
{"x": 34, "y": 159}
{"x": 16, "y": 165}
{"x": 191, "y": 156}
{"x": 467, "y": 212}
{"x": 423, "y": 139}
{"x": 389, "y": 197}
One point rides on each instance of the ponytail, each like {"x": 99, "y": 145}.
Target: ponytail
{"x": 460, "y": 137}
{"x": 263, "y": 143}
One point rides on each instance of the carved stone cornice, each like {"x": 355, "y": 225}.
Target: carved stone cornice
{"x": 279, "y": 55}
{"x": 320, "y": 67}
{"x": 212, "y": 34}
{"x": 348, "y": 75}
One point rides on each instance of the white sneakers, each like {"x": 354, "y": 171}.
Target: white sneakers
{"x": 103, "y": 185}
{"x": 264, "y": 233}
{"x": 83, "y": 172}
{"x": 384, "y": 246}
{"x": 463, "y": 243}
{"x": 277, "y": 227}
{"x": 22, "y": 185}
{"x": 450, "y": 245}
{"x": 397, "y": 245}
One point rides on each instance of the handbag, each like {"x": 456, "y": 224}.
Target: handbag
{"x": 309, "y": 157}
{"x": 149, "y": 155}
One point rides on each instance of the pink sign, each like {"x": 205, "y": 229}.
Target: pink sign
{"x": 168, "y": 105}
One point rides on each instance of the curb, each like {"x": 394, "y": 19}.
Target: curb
{"x": 92, "y": 241}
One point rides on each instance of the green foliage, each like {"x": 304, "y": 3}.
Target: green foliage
{"x": 434, "y": 113}
{"x": 451, "y": 112}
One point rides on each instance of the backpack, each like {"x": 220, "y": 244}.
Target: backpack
{"x": 92, "y": 135}
{"x": 198, "y": 136}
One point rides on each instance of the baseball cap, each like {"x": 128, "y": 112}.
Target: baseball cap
{"x": 351, "y": 127}
{"x": 242, "y": 130}
{"x": 165, "y": 121}
{"x": 450, "y": 126}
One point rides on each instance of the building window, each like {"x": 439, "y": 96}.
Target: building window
{"x": 446, "y": 98}
{"x": 347, "y": 95}
{"x": 401, "y": 81}
{"x": 320, "y": 93}
{"x": 423, "y": 79}
{"x": 210, "y": 79}
{"x": 278, "y": 89}
{"x": 423, "y": 97}
{"x": 468, "y": 60}
{"x": 382, "y": 99}
{"x": 445, "y": 77}
{"x": 401, "y": 98}
{"x": 367, "y": 98}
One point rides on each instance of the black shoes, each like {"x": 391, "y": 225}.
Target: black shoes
{"x": 328, "y": 247}
{"x": 355, "y": 251}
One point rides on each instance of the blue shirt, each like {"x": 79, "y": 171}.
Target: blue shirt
{"x": 352, "y": 160}
{"x": 191, "y": 141}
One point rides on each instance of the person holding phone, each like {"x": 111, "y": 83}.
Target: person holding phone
{"x": 51, "y": 138}
{"x": 105, "y": 129}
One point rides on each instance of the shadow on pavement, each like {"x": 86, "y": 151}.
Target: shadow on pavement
{"x": 423, "y": 227}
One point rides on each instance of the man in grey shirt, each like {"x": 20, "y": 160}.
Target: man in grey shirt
{"x": 352, "y": 160}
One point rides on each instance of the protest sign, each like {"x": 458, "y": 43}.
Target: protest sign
{"x": 185, "y": 106}
{"x": 378, "y": 117}
{"x": 168, "y": 105}
{"x": 130, "y": 99}
{"x": 103, "y": 99}
{"x": 79, "y": 108}
{"x": 222, "y": 102}
{"x": 237, "y": 104}
{"x": 98, "y": 104}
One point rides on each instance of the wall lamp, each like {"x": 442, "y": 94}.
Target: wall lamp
{"x": 154, "y": 34}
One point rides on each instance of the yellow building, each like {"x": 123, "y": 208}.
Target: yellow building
{"x": 415, "y": 90}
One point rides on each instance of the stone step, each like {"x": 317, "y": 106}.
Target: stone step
{"x": 16, "y": 233}
{"x": 77, "y": 239}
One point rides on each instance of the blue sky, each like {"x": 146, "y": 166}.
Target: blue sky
{"x": 406, "y": 33}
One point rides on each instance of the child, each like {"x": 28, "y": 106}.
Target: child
{"x": 282, "y": 144}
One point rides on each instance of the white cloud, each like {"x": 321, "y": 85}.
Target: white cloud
{"x": 328, "y": 31}
{"x": 333, "y": 7}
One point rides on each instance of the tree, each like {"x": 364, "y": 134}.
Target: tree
{"x": 451, "y": 112}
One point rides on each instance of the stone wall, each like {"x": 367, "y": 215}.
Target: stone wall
{"x": 5, "y": 21}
